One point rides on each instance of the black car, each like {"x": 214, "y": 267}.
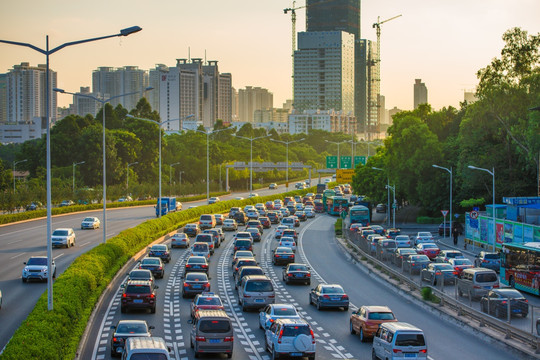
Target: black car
{"x": 196, "y": 263}
{"x": 126, "y": 329}
{"x": 233, "y": 211}
{"x": 154, "y": 264}
{"x": 195, "y": 283}
{"x": 243, "y": 244}
{"x": 295, "y": 272}
{"x": 301, "y": 215}
{"x": 255, "y": 234}
{"x": 240, "y": 217}
{"x": 273, "y": 216}
{"x": 246, "y": 270}
{"x": 160, "y": 251}
{"x": 139, "y": 295}
{"x": 282, "y": 255}
{"x": 496, "y": 302}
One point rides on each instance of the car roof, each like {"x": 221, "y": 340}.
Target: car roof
{"x": 402, "y": 326}
{"x": 377, "y": 308}
{"x": 289, "y": 321}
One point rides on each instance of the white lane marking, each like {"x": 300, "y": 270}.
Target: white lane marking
{"x": 102, "y": 326}
{"x": 57, "y": 256}
{"x": 84, "y": 244}
{"x": 16, "y": 256}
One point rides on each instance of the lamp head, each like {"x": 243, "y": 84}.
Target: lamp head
{"x": 59, "y": 90}
{"x": 149, "y": 88}
{"x": 130, "y": 30}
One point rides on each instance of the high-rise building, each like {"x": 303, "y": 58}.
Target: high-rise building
{"x": 112, "y": 82}
{"x": 327, "y": 120}
{"x": 251, "y": 99}
{"x": 83, "y": 105}
{"x": 367, "y": 89}
{"x": 154, "y": 80}
{"x": 420, "y": 93}
{"x": 225, "y": 98}
{"x": 324, "y": 71}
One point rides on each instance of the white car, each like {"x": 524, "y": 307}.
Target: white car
{"x": 288, "y": 221}
{"x": 229, "y": 225}
{"x": 90, "y": 223}
{"x": 279, "y": 231}
{"x": 63, "y": 237}
{"x": 252, "y": 195}
{"x": 276, "y": 311}
{"x": 403, "y": 241}
{"x": 289, "y": 242}
{"x": 180, "y": 239}
{"x": 423, "y": 237}
{"x": 36, "y": 269}
{"x": 310, "y": 212}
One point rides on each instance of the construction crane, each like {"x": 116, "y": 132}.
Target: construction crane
{"x": 377, "y": 26}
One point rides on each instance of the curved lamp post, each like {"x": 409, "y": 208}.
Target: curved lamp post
{"x": 15, "y": 164}
{"x": 388, "y": 194}
{"x": 74, "y": 165}
{"x": 251, "y": 139}
{"x": 492, "y": 173}
{"x": 170, "y": 177}
{"x": 287, "y": 143}
{"x": 450, "y": 172}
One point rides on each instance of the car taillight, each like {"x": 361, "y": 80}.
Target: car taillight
{"x": 271, "y": 296}
{"x": 279, "y": 337}
{"x": 186, "y": 284}
{"x": 207, "y": 286}
{"x": 124, "y": 295}
{"x": 200, "y": 338}
{"x": 114, "y": 339}
{"x": 423, "y": 351}
{"x": 152, "y": 296}
{"x": 312, "y": 336}
{"x": 326, "y": 296}
{"x": 204, "y": 266}
{"x": 228, "y": 339}
{"x": 188, "y": 266}
{"x": 413, "y": 264}
{"x": 397, "y": 351}
{"x": 496, "y": 286}
{"x": 160, "y": 268}
{"x": 504, "y": 302}
{"x": 345, "y": 297}
{"x": 308, "y": 275}
{"x": 455, "y": 272}
{"x": 289, "y": 275}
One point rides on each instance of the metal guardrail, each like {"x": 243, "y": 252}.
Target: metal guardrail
{"x": 484, "y": 320}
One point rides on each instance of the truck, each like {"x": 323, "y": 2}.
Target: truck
{"x": 168, "y": 204}
{"x": 321, "y": 188}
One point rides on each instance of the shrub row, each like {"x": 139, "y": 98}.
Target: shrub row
{"x": 27, "y": 215}
{"x": 338, "y": 226}
{"x": 429, "y": 220}
{"x": 56, "y": 334}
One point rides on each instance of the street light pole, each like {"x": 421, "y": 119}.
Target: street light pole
{"x": 287, "y": 158}
{"x": 180, "y": 177}
{"x": 388, "y": 194}
{"x": 75, "y": 164}
{"x": 14, "y": 164}
{"x": 492, "y": 173}
{"x": 450, "y": 172}
{"x": 337, "y": 143}
{"x": 47, "y": 52}
{"x": 251, "y": 139}
{"x": 393, "y": 188}
{"x": 127, "y": 176}
{"x": 170, "y": 177}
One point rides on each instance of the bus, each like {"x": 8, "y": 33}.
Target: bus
{"x": 520, "y": 266}
{"x": 336, "y": 204}
{"x": 326, "y": 194}
{"x": 359, "y": 214}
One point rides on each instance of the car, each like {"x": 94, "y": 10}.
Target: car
{"x": 290, "y": 233}
{"x": 378, "y": 229}
{"x": 140, "y": 274}
{"x": 63, "y": 237}
{"x": 434, "y": 271}
{"x": 154, "y": 264}
{"x": 329, "y": 296}
{"x": 445, "y": 255}
{"x": 233, "y": 211}
{"x": 192, "y": 230}
{"x": 290, "y": 337}
{"x": 287, "y": 199}
{"x": 206, "y": 301}
{"x": 289, "y": 242}
{"x": 161, "y": 251}
{"x": 402, "y": 253}
{"x": 496, "y": 302}
{"x": 282, "y": 255}
{"x": 241, "y": 254}
{"x": 238, "y": 198}
{"x": 279, "y": 231}
{"x": 301, "y": 214}
{"x": 288, "y": 221}
{"x": 291, "y": 208}
{"x": 125, "y": 198}
{"x": 219, "y": 218}
{"x": 243, "y": 262}
{"x": 319, "y": 206}
{"x": 380, "y": 208}
{"x": 195, "y": 283}
{"x": 255, "y": 234}
{"x": 216, "y": 236}
{"x": 201, "y": 249}
{"x": 366, "y": 320}
{"x": 240, "y": 217}
{"x": 207, "y": 221}
{"x": 34, "y": 205}
{"x": 229, "y": 225}
{"x": 139, "y": 295}
{"x": 207, "y": 238}
{"x": 125, "y": 329}
{"x": 90, "y": 223}
{"x": 422, "y": 237}
{"x": 252, "y": 195}
{"x": 36, "y": 269}
{"x": 461, "y": 264}
{"x": 244, "y": 271}
{"x": 252, "y": 214}
{"x": 284, "y": 212}
{"x": 213, "y": 200}
{"x": 385, "y": 248}
{"x": 399, "y": 338}
{"x": 67, "y": 203}
{"x": 310, "y": 212}
{"x": 415, "y": 263}
{"x": 255, "y": 223}
{"x": 392, "y": 233}
{"x": 272, "y": 186}
{"x": 270, "y": 313}
{"x": 489, "y": 260}
{"x": 243, "y": 243}
{"x": 431, "y": 250}
{"x": 296, "y": 272}
{"x": 179, "y": 240}
{"x": 265, "y": 221}
{"x": 326, "y": 181}
{"x": 196, "y": 263}
{"x": 354, "y": 227}
{"x": 403, "y": 241}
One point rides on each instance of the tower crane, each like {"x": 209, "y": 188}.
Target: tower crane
{"x": 377, "y": 26}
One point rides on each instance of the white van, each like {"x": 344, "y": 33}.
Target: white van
{"x": 398, "y": 340}
{"x": 153, "y": 348}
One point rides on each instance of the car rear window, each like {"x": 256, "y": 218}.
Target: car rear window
{"x": 251, "y": 272}
{"x": 196, "y": 277}
{"x": 243, "y": 242}
{"x": 259, "y": 286}
{"x": 138, "y": 289}
{"x": 215, "y": 326}
{"x": 132, "y": 328}
{"x": 209, "y": 301}
{"x": 297, "y": 268}
{"x": 284, "y": 311}
{"x": 332, "y": 290}
{"x": 492, "y": 256}
{"x": 204, "y": 238}
{"x": 486, "y": 277}
{"x": 60, "y": 232}
{"x": 206, "y": 217}
{"x": 410, "y": 340}
{"x": 150, "y": 262}
{"x": 294, "y": 330}
{"x": 200, "y": 247}
{"x": 194, "y": 260}
{"x": 381, "y": 316}
{"x": 148, "y": 356}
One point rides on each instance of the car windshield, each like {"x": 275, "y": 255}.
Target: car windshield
{"x": 214, "y": 326}
{"x": 410, "y": 340}
{"x": 132, "y": 328}
{"x": 196, "y": 277}
{"x": 138, "y": 274}
{"x": 150, "y": 262}
{"x": 159, "y": 248}
{"x": 332, "y": 290}
{"x": 259, "y": 286}
{"x": 381, "y": 316}
{"x": 196, "y": 260}
{"x": 37, "y": 261}
{"x": 491, "y": 256}
{"x": 208, "y": 300}
{"x": 284, "y": 311}
{"x": 60, "y": 233}
{"x": 89, "y": 219}
{"x": 486, "y": 277}
{"x": 138, "y": 289}
{"x": 462, "y": 262}
{"x": 426, "y": 234}
{"x": 293, "y": 330}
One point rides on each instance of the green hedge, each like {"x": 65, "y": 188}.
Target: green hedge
{"x": 338, "y": 226}
{"x": 429, "y": 220}
{"x": 27, "y": 215}
{"x": 56, "y": 334}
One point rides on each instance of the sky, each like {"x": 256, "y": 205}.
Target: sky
{"x": 443, "y": 42}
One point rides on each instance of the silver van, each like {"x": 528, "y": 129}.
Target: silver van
{"x": 477, "y": 282}
{"x": 255, "y": 291}
{"x": 146, "y": 348}
{"x": 398, "y": 340}
{"x": 212, "y": 332}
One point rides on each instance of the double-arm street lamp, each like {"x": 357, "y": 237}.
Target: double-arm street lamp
{"x": 103, "y": 101}
{"x": 287, "y": 143}
{"x": 251, "y": 139}
{"x": 388, "y": 194}
{"x": 337, "y": 143}
{"x": 207, "y": 133}
{"x": 47, "y": 52}
{"x": 15, "y": 164}
{"x": 74, "y": 165}
{"x": 450, "y": 209}
{"x": 492, "y": 173}
{"x": 127, "y": 176}
{"x": 170, "y": 176}
{"x": 393, "y": 188}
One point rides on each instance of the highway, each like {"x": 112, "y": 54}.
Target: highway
{"x": 21, "y": 240}
{"x": 330, "y": 264}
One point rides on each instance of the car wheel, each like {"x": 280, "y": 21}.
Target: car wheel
{"x": 197, "y": 355}
{"x": 351, "y": 328}
{"x": 153, "y": 310}
{"x": 229, "y": 355}
{"x": 308, "y": 282}
{"x": 54, "y": 274}
{"x": 362, "y": 337}
{"x": 24, "y": 280}
{"x": 123, "y": 309}
{"x": 274, "y": 354}
{"x": 373, "y": 356}
{"x": 319, "y": 307}
{"x": 346, "y": 308}
{"x": 183, "y": 295}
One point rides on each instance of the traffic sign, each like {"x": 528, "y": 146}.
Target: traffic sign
{"x": 344, "y": 176}
{"x": 331, "y": 162}
{"x": 343, "y": 214}
{"x": 359, "y": 160}
{"x": 473, "y": 214}
{"x": 345, "y": 162}
{"x": 444, "y": 212}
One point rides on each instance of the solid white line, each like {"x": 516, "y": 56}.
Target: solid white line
{"x": 83, "y": 244}
{"x": 16, "y": 256}
{"x": 57, "y": 256}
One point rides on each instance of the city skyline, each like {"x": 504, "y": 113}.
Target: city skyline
{"x": 443, "y": 43}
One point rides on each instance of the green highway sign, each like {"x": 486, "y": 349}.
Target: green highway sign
{"x": 343, "y": 214}
{"x": 331, "y": 162}
{"x": 345, "y": 162}
{"x": 359, "y": 160}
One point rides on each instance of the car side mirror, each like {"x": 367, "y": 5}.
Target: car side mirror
{"x": 156, "y": 287}
{"x": 476, "y": 256}
{"x": 113, "y": 327}
{"x": 24, "y": 263}
{"x": 190, "y": 321}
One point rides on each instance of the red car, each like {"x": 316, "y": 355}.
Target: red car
{"x": 265, "y": 221}
{"x": 319, "y": 207}
{"x": 429, "y": 249}
{"x": 461, "y": 264}
{"x": 206, "y": 301}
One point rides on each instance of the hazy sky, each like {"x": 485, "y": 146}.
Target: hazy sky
{"x": 442, "y": 42}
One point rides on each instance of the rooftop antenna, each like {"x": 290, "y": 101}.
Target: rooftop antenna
{"x": 189, "y": 53}
{"x": 205, "y": 57}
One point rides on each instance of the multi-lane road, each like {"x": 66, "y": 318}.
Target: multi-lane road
{"x": 330, "y": 264}
{"x": 21, "y": 240}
